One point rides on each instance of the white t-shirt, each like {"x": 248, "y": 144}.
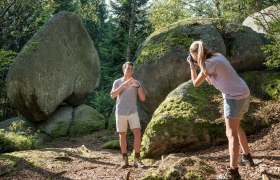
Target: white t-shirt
{"x": 127, "y": 99}
{"x": 224, "y": 78}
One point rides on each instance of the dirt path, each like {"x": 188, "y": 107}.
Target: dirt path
{"x": 82, "y": 158}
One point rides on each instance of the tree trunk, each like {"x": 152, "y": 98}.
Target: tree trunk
{"x": 131, "y": 31}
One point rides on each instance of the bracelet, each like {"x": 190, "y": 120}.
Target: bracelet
{"x": 193, "y": 67}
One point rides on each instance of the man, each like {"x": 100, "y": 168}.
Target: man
{"x": 126, "y": 90}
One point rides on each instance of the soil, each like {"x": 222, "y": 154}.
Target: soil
{"x": 83, "y": 158}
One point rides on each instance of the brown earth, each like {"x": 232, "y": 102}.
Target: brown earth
{"x": 82, "y": 158}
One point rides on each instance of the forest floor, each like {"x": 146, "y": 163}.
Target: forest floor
{"x": 83, "y": 158}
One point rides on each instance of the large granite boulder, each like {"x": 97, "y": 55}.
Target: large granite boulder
{"x": 19, "y": 133}
{"x": 259, "y": 20}
{"x": 191, "y": 118}
{"x": 85, "y": 120}
{"x": 58, "y": 64}
{"x": 69, "y": 121}
{"x": 161, "y": 63}
{"x": 243, "y": 48}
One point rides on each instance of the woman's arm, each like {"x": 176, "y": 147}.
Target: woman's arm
{"x": 197, "y": 79}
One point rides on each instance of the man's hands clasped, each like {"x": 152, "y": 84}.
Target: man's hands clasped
{"x": 131, "y": 82}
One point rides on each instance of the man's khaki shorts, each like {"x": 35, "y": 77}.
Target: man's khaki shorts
{"x": 122, "y": 121}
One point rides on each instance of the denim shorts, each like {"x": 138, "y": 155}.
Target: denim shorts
{"x": 236, "y": 108}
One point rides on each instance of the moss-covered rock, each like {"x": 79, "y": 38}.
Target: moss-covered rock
{"x": 58, "y": 124}
{"x": 31, "y": 46}
{"x": 180, "y": 168}
{"x": 114, "y": 144}
{"x": 185, "y": 119}
{"x": 86, "y": 120}
{"x": 161, "y": 64}
{"x": 191, "y": 118}
{"x": 243, "y": 47}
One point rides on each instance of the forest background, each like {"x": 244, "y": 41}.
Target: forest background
{"x": 117, "y": 28}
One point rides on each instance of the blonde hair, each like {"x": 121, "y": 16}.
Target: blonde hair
{"x": 199, "y": 48}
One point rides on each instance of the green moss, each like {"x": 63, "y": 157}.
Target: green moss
{"x": 272, "y": 88}
{"x": 189, "y": 168}
{"x": 8, "y": 163}
{"x": 31, "y": 46}
{"x": 178, "y": 117}
{"x": 112, "y": 123}
{"x": 60, "y": 130}
{"x": 176, "y": 34}
{"x": 263, "y": 84}
{"x": 161, "y": 44}
{"x": 153, "y": 174}
{"x": 114, "y": 144}
{"x": 17, "y": 141}
{"x": 87, "y": 122}
{"x": 19, "y": 135}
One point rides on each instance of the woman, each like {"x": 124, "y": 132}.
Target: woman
{"x": 217, "y": 71}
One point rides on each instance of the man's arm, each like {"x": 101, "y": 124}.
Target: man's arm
{"x": 141, "y": 93}
{"x": 117, "y": 90}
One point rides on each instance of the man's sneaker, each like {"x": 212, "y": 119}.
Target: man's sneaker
{"x": 230, "y": 174}
{"x": 125, "y": 162}
{"x": 246, "y": 160}
{"x": 138, "y": 163}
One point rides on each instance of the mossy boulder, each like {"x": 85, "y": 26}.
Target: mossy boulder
{"x": 161, "y": 63}
{"x": 85, "y": 120}
{"x": 181, "y": 168}
{"x": 58, "y": 124}
{"x": 191, "y": 118}
{"x": 114, "y": 144}
{"x": 243, "y": 47}
{"x": 186, "y": 118}
{"x": 58, "y": 64}
{"x": 161, "y": 60}
{"x": 66, "y": 121}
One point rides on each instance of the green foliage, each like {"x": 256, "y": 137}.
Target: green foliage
{"x": 264, "y": 84}
{"x": 231, "y": 10}
{"x": 111, "y": 46}
{"x": 6, "y": 60}
{"x": 19, "y": 136}
{"x": 165, "y": 12}
{"x": 22, "y": 20}
{"x": 272, "y": 49}
{"x": 204, "y": 8}
{"x": 102, "y": 102}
